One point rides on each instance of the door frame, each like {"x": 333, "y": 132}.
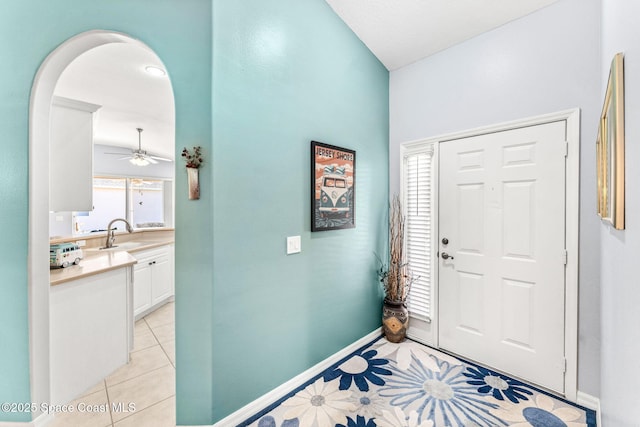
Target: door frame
{"x": 572, "y": 217}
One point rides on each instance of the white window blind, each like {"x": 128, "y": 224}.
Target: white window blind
{"x": 418, "y": 229}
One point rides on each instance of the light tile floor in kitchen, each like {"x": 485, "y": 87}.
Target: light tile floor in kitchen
{"x": 147, "y": 382}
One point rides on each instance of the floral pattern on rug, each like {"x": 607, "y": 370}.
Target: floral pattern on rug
{"x": 411, "y": 385}
{"x": 499, "y": 386}
{"x": 362, "y": 369}
{"x": 445, "y": 396}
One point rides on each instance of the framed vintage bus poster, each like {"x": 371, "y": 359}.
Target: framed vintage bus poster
{"x": 333, "y": 183}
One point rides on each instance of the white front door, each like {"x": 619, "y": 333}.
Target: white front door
{"x": 502, "y": 251}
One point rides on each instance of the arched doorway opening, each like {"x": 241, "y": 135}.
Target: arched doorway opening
{"x": 42, "y": 94}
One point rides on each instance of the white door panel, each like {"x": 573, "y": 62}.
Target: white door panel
{"x": 501, "y": 292}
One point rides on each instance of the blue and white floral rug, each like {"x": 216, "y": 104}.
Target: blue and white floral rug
{"x": 411, "y": 385}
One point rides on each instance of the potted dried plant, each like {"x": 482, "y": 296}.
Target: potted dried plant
{"x": 396, "y": 278}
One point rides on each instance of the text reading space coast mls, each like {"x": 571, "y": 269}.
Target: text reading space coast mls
{"x": 80, "y": 407}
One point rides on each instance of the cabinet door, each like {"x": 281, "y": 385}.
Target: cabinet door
{"x": 71, "y": 155}
{"x": 142, "y": 278}
{"x": 162, "y": 286}
{"x": 89, "y": 333}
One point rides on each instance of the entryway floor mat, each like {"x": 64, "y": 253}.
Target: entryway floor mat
{"x": 411, "y": 385}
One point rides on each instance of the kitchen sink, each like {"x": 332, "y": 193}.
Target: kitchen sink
{"x": 124, "y": 246}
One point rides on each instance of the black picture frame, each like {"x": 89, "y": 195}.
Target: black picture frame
{"x": 333, "y": 186}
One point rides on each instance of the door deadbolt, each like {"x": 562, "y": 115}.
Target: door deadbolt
{"x": 445, "y": 241}
{"x": 446, "y": 256}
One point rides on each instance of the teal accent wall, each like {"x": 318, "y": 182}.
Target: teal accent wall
{"x": 180, "y": 33}
{"x": 286, "y": 72}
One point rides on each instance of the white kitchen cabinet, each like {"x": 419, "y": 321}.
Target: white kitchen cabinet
{"x": 153, "y": 279}
{"x": 71, "y": 155}
{"x": 141, "y": 287}
{"x": 91, "y": 331}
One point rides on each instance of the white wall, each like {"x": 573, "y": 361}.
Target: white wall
{"x": 545, "y": 62}
{"x": 620, "y": 251}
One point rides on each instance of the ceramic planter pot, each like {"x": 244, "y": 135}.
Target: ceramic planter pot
{"x": 395, "y": 320}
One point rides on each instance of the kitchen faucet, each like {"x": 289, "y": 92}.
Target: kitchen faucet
{"x": 111, "y": 233}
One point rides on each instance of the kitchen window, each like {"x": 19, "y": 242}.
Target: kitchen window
{"x": 109, "y": 202}
{"x": 145, "y": 203}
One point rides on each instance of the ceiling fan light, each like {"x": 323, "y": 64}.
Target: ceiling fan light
{"x": 139, "y": 161}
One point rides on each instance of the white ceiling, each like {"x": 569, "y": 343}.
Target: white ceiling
{"x": 400, "y": 32}
{"x": 114, "y": 77}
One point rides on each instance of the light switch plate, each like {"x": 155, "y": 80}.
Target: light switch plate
{"x": 293, "y": 245}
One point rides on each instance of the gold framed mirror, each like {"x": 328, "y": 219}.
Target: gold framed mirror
{"x": 610, "y": 149}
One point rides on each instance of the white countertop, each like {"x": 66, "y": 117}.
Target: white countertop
{"x": 98, "y": 261}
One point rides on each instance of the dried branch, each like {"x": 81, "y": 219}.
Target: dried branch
{"x": 194, "y": 159}
{"x": 396, "y": 276}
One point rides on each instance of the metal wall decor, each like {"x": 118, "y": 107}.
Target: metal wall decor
{"x": 194, "y": 160}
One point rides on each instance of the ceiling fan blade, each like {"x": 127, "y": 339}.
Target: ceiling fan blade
{"x": 164, "y": 159}
{"x": 124, "y": 158}
{"x": 120, "y": 154}
{"x": 150, "y": 160}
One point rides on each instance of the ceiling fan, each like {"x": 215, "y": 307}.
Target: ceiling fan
{"x": 140, "y": 157}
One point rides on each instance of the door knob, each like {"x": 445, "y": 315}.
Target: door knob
{"x": 446, "y": 255}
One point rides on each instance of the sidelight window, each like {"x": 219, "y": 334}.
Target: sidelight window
{"x": 418, "y": 195}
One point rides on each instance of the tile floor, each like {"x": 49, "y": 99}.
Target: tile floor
{"x": 147, "y": 382}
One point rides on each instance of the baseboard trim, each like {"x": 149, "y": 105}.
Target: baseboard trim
{"x": 262, "y": 402}
{"x": 41, "y": 421}
{"x": 590, "y": 402}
